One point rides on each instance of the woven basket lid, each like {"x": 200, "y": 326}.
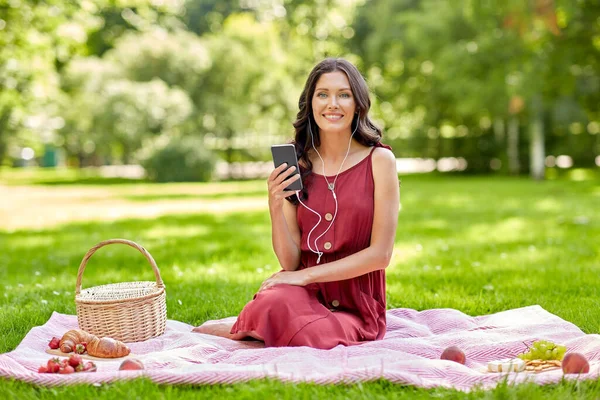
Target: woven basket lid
{"x": 118, "y": 292}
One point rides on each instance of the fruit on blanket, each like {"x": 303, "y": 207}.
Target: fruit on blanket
{"x": 131, "y": 364}
{"x": 544, "y": 350}
{"x": 80, "y": 348}
{"x": 53, "y": 365}
{"x": 575, "y": 363}
{"x": 66, "y": 370}
{"x": 67, "y": 366}
{"x": 54, "y": 343}
{"x": 455, "y": 354}
{"x": 90, "y": 367}
{"x": 75, "y": 360}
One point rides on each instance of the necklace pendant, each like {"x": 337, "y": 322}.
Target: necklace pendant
{"x": 331, "y": 186}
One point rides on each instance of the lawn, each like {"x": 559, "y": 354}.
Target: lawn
{"x": 476, "y": 244}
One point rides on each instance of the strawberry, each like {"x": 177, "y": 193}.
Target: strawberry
{"x": 66, "y": 370}
{"x": 79, "y": 368}
{"x": 75, "y": 360}
{"x": 54, "y": 343}
{"x": 80, "y": 348}
{"x": 43, "y": 369}
{"x": 53, "y": 365}
{"x": 90, "y": 367}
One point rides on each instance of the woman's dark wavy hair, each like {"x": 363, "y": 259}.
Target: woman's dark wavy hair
{"x": 367, "y": 133}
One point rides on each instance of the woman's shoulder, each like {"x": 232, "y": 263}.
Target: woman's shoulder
{"x": 382, "y": 154}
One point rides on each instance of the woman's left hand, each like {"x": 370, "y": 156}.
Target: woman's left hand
{"x": 296, "y": 278}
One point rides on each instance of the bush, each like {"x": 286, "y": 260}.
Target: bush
{"x": 180, "y": 160}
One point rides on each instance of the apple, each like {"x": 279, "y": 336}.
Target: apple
{"x": 131, "y": 364}
{"x": 575, "y": 363}
{"x": 455, "y": 354}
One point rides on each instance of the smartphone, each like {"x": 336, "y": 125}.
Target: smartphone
{"x": 286, "y": 153}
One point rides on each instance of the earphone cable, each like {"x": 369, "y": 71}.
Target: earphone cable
{"x": 330, "y": 187}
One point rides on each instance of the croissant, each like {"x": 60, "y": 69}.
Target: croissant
{"x": 72, "y": 338}
{"x": 98, "y": 347}
{"x": 107, "y": 348}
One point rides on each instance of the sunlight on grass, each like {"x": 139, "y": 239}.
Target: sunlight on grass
{"x": 548, "y": 205}
{"x": 32, "y": 241}
{"x": 164, "y": 231}
{"x": 485, "y": 245}
{"x": 509, "y": 230}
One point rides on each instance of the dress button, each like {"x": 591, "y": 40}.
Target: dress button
{"x": 327, "y": 245}
{"x": 328, "y": 216}
{"x": 335, "y": 303}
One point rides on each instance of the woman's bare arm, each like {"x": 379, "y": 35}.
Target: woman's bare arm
{"x": 285, "y": 236}
{"x": 285, "y": 233}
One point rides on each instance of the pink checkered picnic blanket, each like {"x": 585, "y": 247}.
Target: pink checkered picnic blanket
{"x": 409, "y": 354}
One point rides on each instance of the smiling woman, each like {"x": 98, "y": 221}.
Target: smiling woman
{"x": 334, "y": 239}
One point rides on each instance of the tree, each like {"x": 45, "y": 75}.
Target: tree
{"x": 38, "y": 38}
{"x": 440, "y": 66}
{"x": 108, "y": 114}
{"x": 34, "y": 36}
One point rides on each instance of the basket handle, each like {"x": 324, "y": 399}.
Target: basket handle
{"x": 88, "y": 255}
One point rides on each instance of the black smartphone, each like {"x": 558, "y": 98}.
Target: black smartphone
{"x": 286, "y": 153}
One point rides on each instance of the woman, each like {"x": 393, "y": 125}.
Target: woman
{"x": 335, "y": 238}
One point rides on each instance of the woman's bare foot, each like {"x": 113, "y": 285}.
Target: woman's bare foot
{"x": 223, "y": 329}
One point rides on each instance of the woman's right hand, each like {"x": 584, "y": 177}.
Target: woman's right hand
{"x": 279, "y": 180}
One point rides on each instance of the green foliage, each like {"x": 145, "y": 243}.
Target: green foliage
{"x": 116, "y": 123}
{"x": 179, "y": 160}
{"x": 448, "y": 78}
{"x": 468, "y": 64}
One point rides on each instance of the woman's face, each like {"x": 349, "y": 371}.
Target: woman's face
{"x": 333, "y": 103}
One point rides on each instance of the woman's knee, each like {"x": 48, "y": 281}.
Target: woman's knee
{"x": 281, "y": 294}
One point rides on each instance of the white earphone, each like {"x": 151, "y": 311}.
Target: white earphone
{"x": 331, "y": 187}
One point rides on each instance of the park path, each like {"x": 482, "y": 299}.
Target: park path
{"x": 39, "y": 207}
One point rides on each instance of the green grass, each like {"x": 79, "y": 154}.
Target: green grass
{"x": 58, "y": 176}
{"x": 476, "y": 244}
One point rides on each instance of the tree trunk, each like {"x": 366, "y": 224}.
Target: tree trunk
{"x": 2, "y": 148}
{"x": 512, "y": 150}
{"x": 4, "y": 117}
{"x": 126, "y": 159}
{"x": 229, "y": 152}
{"x": 537, "y": 156}
{"x": 499, "y": 130}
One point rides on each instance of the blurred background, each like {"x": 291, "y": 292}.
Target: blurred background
{"x": 197, "y": 90}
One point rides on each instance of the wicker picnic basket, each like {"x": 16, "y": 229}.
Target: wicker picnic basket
{"x": 128, "y": 311}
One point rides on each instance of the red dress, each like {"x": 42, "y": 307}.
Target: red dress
{"x": 324, "y": 315}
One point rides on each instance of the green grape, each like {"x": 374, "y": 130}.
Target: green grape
{"x": 541, "y": 347}
{"x": 544, "y": 350}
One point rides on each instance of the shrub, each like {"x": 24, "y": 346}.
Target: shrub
{"x": 180, "y": 160}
